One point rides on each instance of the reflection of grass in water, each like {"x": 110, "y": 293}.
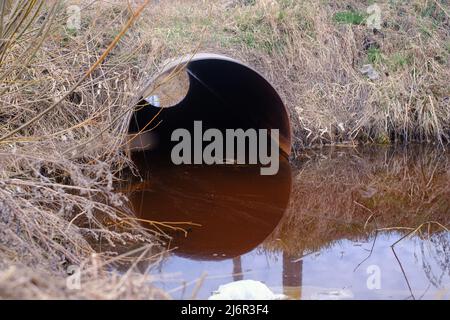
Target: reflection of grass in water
{"x": 438, "y": 253}
{"x": 348, "y": 195}
{"x": 336, "y": 193}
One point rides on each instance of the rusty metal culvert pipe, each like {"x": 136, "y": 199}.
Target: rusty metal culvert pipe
{"x": 221, "y": 92}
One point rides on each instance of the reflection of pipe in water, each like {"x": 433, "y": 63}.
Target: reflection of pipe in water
{"x": 292, "y": 276}
{"x": 236, "y": 207}
{"x": 221, "y": 92}
{"x": 237, "y": 269}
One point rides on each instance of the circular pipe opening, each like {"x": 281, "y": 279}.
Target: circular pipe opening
{"x": 221, "y": 92}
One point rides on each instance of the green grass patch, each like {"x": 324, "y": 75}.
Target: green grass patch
{"x": 374, "y": 56}
{"x": 349, "y": 17}
{"x": 425, "y": 31}
{"x": 398, "y": 61}
{"x": 447, "y": 47}
{"x": 433, "y": 12}
{"x": 253, "y": 31}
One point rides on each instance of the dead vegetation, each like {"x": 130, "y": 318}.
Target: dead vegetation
{"x": 63, "y": 119}
{"x": 65, "y": 107}
{"x": 313, "y": 52}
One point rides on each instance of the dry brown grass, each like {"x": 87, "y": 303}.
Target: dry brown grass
{"x": 62, "y": 138}
{"x": 315, "y": 62}
{"x": 63, "y": 123}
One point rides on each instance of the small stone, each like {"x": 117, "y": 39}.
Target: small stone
{"x": 370, "y": 72}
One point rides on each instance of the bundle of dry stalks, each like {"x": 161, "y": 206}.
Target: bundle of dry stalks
{"x": 64, "y": 115}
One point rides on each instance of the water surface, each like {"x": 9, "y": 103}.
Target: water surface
{"x": 341, "y": 223}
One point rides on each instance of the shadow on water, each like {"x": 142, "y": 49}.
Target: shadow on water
{"x": 323, "y": 229}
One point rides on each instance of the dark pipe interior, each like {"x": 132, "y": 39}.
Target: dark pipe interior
{"x": 223, "y": 94}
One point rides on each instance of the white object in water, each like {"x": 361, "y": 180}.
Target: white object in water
{"x": 154, "y": 101}
{"x": 245, "y": 290}
{"x": 333, "y": 294}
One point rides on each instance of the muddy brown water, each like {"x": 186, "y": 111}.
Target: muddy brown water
{"x": 339, "y": 223}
